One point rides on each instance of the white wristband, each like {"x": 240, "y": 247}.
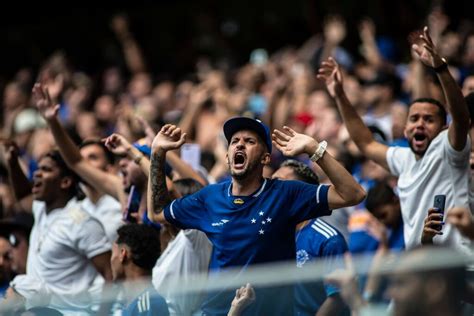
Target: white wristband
{"x": 319, "y": 151}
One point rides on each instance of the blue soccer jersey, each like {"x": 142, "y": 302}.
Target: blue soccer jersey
{"x": 253, "y": 229}
{"x": 317, "y": 241}
{"x": 149, "y": 303}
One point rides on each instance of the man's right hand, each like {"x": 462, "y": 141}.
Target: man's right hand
{"x": 169, "y": 137}
{"x": 11, "y": 150}
{"x": 432, "y": 227}
{"x": 331, "y": 74}
{"x": 43, "y": 102}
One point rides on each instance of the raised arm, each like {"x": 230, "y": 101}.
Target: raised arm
{"x": 17, "y": 178}
{"x": 132, "y": 51}
{"x": 455, "y": 103}
{"x": 345, "y": 191}
{"x": 359, "y": 132}
{"x": 119, "y": 145}
{"x": 99, "y": 179}
{"x": 168, "y": 138}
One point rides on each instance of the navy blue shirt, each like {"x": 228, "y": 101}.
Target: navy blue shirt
{"x": 253, "y": 229}
{"x": 317, "y": 241}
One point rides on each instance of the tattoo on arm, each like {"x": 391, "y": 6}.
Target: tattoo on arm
{"x": 159, "y": 191}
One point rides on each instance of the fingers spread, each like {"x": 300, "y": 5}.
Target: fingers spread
{"x": 289, "y": 130}
{"x": 280, "y": 135}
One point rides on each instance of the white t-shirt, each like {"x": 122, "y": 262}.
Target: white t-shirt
{"x": 61, "y": 246}
{"x": 442, "y": 170}
{"x": 188, "y": 254}
{"x": 109, "y": 213}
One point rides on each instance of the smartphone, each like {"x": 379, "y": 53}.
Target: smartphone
{"x": 439, "y": 204}
{"x": 133, "y": 204}
{"x": 191, "y": 154}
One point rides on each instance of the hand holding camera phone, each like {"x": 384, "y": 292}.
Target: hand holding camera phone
{"x": 439, "y": 204}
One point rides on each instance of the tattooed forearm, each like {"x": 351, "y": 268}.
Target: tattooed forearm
{"x": 159, "y": 192}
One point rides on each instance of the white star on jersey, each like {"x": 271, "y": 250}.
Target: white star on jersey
{"x": 269, "y": 219}
{"x": 253, "y": 220}
{"x": 261, "y": 213}
{"x": 261, "y": 231}
{"x": 263, "y": 222}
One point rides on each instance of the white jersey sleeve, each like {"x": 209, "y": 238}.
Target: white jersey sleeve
{"x": 456, "y": 158}
{"x": 91, "y": 238}
{"x": 396, "y": 159}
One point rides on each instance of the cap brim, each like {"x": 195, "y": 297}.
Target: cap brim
{"x": 236, "y": 124}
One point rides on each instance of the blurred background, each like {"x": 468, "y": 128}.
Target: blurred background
{"x": 174, "y": 34}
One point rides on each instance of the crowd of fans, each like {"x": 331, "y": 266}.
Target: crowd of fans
{"x": 91, "y": 169}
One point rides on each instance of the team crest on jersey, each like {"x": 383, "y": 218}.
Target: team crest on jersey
{"x": 239, "y": 201}
{"x": 301, "y": 258}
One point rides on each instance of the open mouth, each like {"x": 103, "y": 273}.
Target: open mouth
{"x": 36, "y": 186}
{"x": 239, "y": 159}
{"x": 419, "y": 139}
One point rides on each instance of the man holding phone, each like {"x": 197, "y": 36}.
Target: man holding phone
{"x": 434, "y": 221}
{"x": 437, "y": 161}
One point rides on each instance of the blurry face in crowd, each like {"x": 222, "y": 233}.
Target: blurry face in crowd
{"x": 104, "y": 109}
{"x": 18, "y": 251}
{"x": 116, "y": 261}
{"x": 140, "y": 85}
{"x": 284, "y": 173}
{"x": 389, "y": 214}
{"x": 423, "y": 125}
{"x": 468, "y": 85}
{"x": 132, "y": 174}
{"x": 87, "y": 126}
{"x": 95, "y": 155}
{"x": 13, "y": 96}
{"x": 5, "y": 262}
{"x": 246, "y": 154}
{"x": 318, "y": 101}
{"x": 48, "y": 181}
{"x": 112, "y": 80}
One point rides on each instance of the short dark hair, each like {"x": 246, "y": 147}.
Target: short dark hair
{"x": 65, "y": 171}
{"x": 302, "y": 171}
{"x": 380, "y": 194}
{"x": 144, "y": 244}
{"x": 441, "y": 109}
{"x": 96, "y": 141}
{"x": 187, "y": 186}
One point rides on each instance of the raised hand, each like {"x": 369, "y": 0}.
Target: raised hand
{"x": 43, "y": 102}
{"x": 367, "y": 30}
{"x": 149, "y": 132}
{"x": 331, "y": 74}
{"x": 426, "y": 50}
{"x": 463, "y": 220}
{"x": 11, "y": 149}
{"x": 414, "y": 38}
{"x": 334, "y": 29}
{"x": 117, "y": 144}
{"x": 243, "y": 297}
{"x": 291, "y": 143}
{"x": 169, "y": 137}
{"x": 119, "y": 24}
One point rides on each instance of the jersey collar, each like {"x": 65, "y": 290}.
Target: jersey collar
{"x": 256, "y": 194}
